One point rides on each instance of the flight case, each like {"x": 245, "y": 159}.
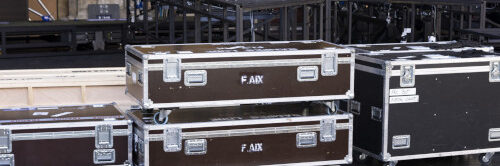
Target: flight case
{"x": 230, "y": 74}
{"x": 65, "y": 135}
{"x": 279, "y": 134}
{"x": 420, "y": 47}
{"x": 426, "y": 104}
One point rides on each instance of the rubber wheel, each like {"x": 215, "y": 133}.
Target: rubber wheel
{"x": 360, "y": 157}
{"x": 483, "y": 161}
{"x": 156, "y": 119}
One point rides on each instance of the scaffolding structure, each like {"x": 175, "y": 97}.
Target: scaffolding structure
{"x": 339, "y": 21}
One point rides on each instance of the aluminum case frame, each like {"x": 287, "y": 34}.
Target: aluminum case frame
{"x": 387, "y": 71}
{"x": 144, "y": 67}
{"x": 143, "y": 132}
{"x": 47, "y": 133}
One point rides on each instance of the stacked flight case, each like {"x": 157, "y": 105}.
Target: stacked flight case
{"x": 263, "y": 103}
{"x": 64, "y": 135}
{"x": 424, "y": 100}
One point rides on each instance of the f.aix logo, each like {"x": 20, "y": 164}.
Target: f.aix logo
{"x": 252, "y": 79}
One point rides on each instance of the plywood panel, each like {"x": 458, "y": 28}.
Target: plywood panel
{"x": 13, "y": 97}
{"x": 57, "y": 96}
{"x": 107, "y": 94}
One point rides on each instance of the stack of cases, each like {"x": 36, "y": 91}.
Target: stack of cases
{"x": 424, "y": 100}
{"x": 263, "y": 103}
{"x": 64, "y": 135}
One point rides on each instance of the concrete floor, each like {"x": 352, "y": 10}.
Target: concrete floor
{"x": 469, "y": 160}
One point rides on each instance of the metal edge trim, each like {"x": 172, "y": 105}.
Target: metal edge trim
{"x": 220, "y": 103}
{"x": 244, "y": 122}
{"x": 145, "y": 95}
{"x": 362, "y": 57}
{"x": 447, "y": 70}
{"x": 246, "y": 54}
{"x": 63, "y": 125}
{"x": 445, "y": 61}
{"x": 385, "y": 119}
{"x": 256, "y": 42}
{"x": 63, "y": 134}
{"x": 250, "y": 131}
{"x": 146, "y": 147}
{"x": 131, "y": 49}
{"x": 384, "y": 44}
{"x": 371, "y": 70}
{"x": 352, "y": 76}
{"x": 249, "y": 63}
{"x": 329, "y": 162}
{"x": 443, "y": 154}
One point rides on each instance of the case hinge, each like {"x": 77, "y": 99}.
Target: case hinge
{"x": 7, "y": 159}
{"x": 495, "y": 71}
{"x": 104, "y": 136}
{"x": 195, "y": 147}
{"x": 172, "y": 141}
{"x": 407, "y": 78}
{"x": 376, "y": 114}
{"x": 307, "y": 73}
{"x": 306, "y": 140}
{"x": 104, "y": 156}
{"x": 401, "y": 142}
{"x": 327, "y": 131}
{"x": 171, "y": 70}
{"x": 128, "y": 69}
{"x": 5, "y": 141}
{"x": 195, "y": 78}
{"x": 329, "y": 64}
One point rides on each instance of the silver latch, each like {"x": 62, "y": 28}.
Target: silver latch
{"x": 172, "y": 70}
{"x": 140, "y": 78}
{"x": 376, "y": 114}
{"x": 306, "y": 140}
{"x": 195, "y": 78}
{"x": 401, "y": 142}
{"x": 327, "y": 130}
{"x": 104, "y": 156}
{"x": 494, "y": 134}
{"x": 172, "y": 141}
{"x": 354, "y": 107}
{"x": 329, "y": 64}
{"x": 195, "y": 147}
{"x": 407, "y": 78}
{"x": 307, "y": 73}
{"x": 495, "y": 71}
{"x": 7, "y": 159}
{"x": 128, "y": 69}
{"x": 5, "y": 141}
{"x": 104, "y": 136}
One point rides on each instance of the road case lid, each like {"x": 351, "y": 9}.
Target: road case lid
{"x": 434, "y": 55}
{"x": 244, "y": 112}
{"x": 56, "y": 114}
{"x": 417, "y": 46}
{"x": 234, "y": 47}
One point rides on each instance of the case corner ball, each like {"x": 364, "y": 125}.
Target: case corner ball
{"x": 350, "y": 94}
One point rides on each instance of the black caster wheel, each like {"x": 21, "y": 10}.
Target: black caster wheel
{"x": 485, "y": 159}
{"x": 390, "y": 163}
{"x": 161, "y": 117}
{"x": 359, "y": 157}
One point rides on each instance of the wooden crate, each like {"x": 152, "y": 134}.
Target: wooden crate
{"x": 62, "y": 87}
